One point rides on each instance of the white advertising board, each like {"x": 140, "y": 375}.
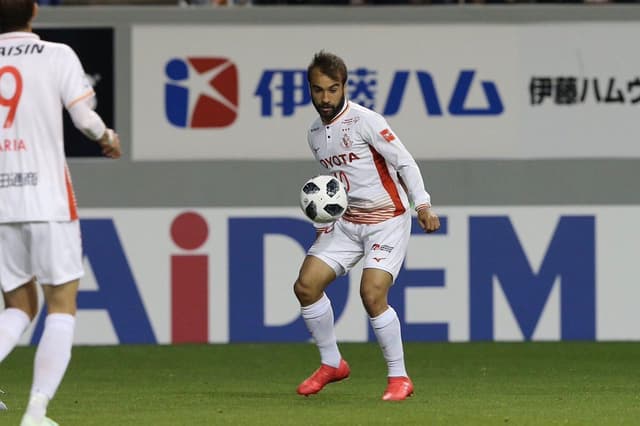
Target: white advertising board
{"x": 266, "y": 65}
{"x": 226, "y": 275}
{"x": 562, "y": 90}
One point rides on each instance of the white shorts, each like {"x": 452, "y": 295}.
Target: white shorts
{"x": 382, "y": 245}
{"x": 49, "y": 251}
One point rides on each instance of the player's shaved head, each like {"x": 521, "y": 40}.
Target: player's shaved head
{"x": 15, "y": 15}
{"x": 328, "y": 64}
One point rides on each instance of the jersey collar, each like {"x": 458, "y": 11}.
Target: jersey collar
{"x": 344, "y": 109}
{"x": 19, "y": 34}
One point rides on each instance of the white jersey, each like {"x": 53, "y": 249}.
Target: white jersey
{"x": 359, "y": 148}
{"x": 37, "y": 78}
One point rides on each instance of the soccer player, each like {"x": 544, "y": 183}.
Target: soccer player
{"x": 39, "y": 227}
{"x": 357, "y": 146}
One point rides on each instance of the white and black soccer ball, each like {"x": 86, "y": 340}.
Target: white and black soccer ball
{"x": 323, "y": 199}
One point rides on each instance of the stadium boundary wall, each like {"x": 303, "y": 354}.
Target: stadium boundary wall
{"x": 455, "y": 182}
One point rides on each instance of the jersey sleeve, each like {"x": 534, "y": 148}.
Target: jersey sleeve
{"x": 73, "y": 82}
{"x": 309, "y": 142}
{"x": 313, "y": 126}
{"x": 377, "y": 132}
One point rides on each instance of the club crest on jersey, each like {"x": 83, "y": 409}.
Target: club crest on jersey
{"x": 346, "y": 140}
{"x": 388, "y": 135}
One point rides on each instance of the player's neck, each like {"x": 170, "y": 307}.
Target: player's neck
{"x": 18, "y": 30}
{"x": 342, "y": 106}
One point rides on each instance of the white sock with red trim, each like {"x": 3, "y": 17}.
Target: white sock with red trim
{"x": 386, "y": 326}
{"x": 319, "y": 320}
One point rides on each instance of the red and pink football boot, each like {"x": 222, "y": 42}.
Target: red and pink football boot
{"x": 322, "y": 377}
{"x": 398, "y": 389}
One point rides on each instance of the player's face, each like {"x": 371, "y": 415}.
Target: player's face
{"x": 327, "y": 95}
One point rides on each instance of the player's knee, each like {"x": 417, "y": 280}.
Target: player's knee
{"x": 30, "y": 309}
{"x": 61, "y": 304}
{"x": 301, "y": 291}
{"x": 373, "y": 301}
{"x": 369, "y": 300}
{"x": 305, "y": 291}
{"x": 61, "y": 299}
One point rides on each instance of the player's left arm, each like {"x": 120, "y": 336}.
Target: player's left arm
{"x": 428, "y": 219}
{"x": 76, "y": 93}
{"x": 110, "y": 144}
{"x": 387, "y": 143}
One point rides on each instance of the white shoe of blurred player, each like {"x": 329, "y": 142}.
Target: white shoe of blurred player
{"x": 3, "y": 406}
{"x": 29, "y": 421}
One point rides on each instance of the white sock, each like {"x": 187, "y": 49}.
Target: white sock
{"x": 13, "y": 322}
{"x": 37, "y": 407}
{"x": 387, "y": 329}
{"x": 51, "y": 361}
{"x": 319, "y": 320}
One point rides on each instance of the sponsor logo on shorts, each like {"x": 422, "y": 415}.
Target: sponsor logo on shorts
{"x": 327, "y": 229}
{"x": 381, "y": 247}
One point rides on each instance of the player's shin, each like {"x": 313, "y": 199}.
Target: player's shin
{"x": 318, "y": 318}
{"x": 387, "y": 330}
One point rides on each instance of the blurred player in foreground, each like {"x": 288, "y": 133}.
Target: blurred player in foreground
{"x": 39, "y": 226}
{"x": 357, "y": 146}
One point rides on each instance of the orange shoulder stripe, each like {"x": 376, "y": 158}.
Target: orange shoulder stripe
{"x": 84, "y": 96}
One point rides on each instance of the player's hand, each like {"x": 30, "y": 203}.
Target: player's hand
{"x": 428, "y": 220}
{"x": 110, "y": 144}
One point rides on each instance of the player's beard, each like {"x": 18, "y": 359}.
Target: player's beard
{"x": 329, "y": 115}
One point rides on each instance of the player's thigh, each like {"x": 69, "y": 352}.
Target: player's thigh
{"x": 338, "y": 248}
{"x": 314, "y": 276}
{"x": 374, "y": 289}
{"x": 315, "y": 273}
{"x": 386, "y": 243}
{"x": 15, "y": 257}
{"x": 56, "y": 252}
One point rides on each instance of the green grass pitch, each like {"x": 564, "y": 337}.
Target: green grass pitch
{"x": 249, "y": 384}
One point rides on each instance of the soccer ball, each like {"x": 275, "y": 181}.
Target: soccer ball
{"x": 323, "y": 199}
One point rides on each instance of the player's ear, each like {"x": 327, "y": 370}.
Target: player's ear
{"x": 35, "y": 11}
